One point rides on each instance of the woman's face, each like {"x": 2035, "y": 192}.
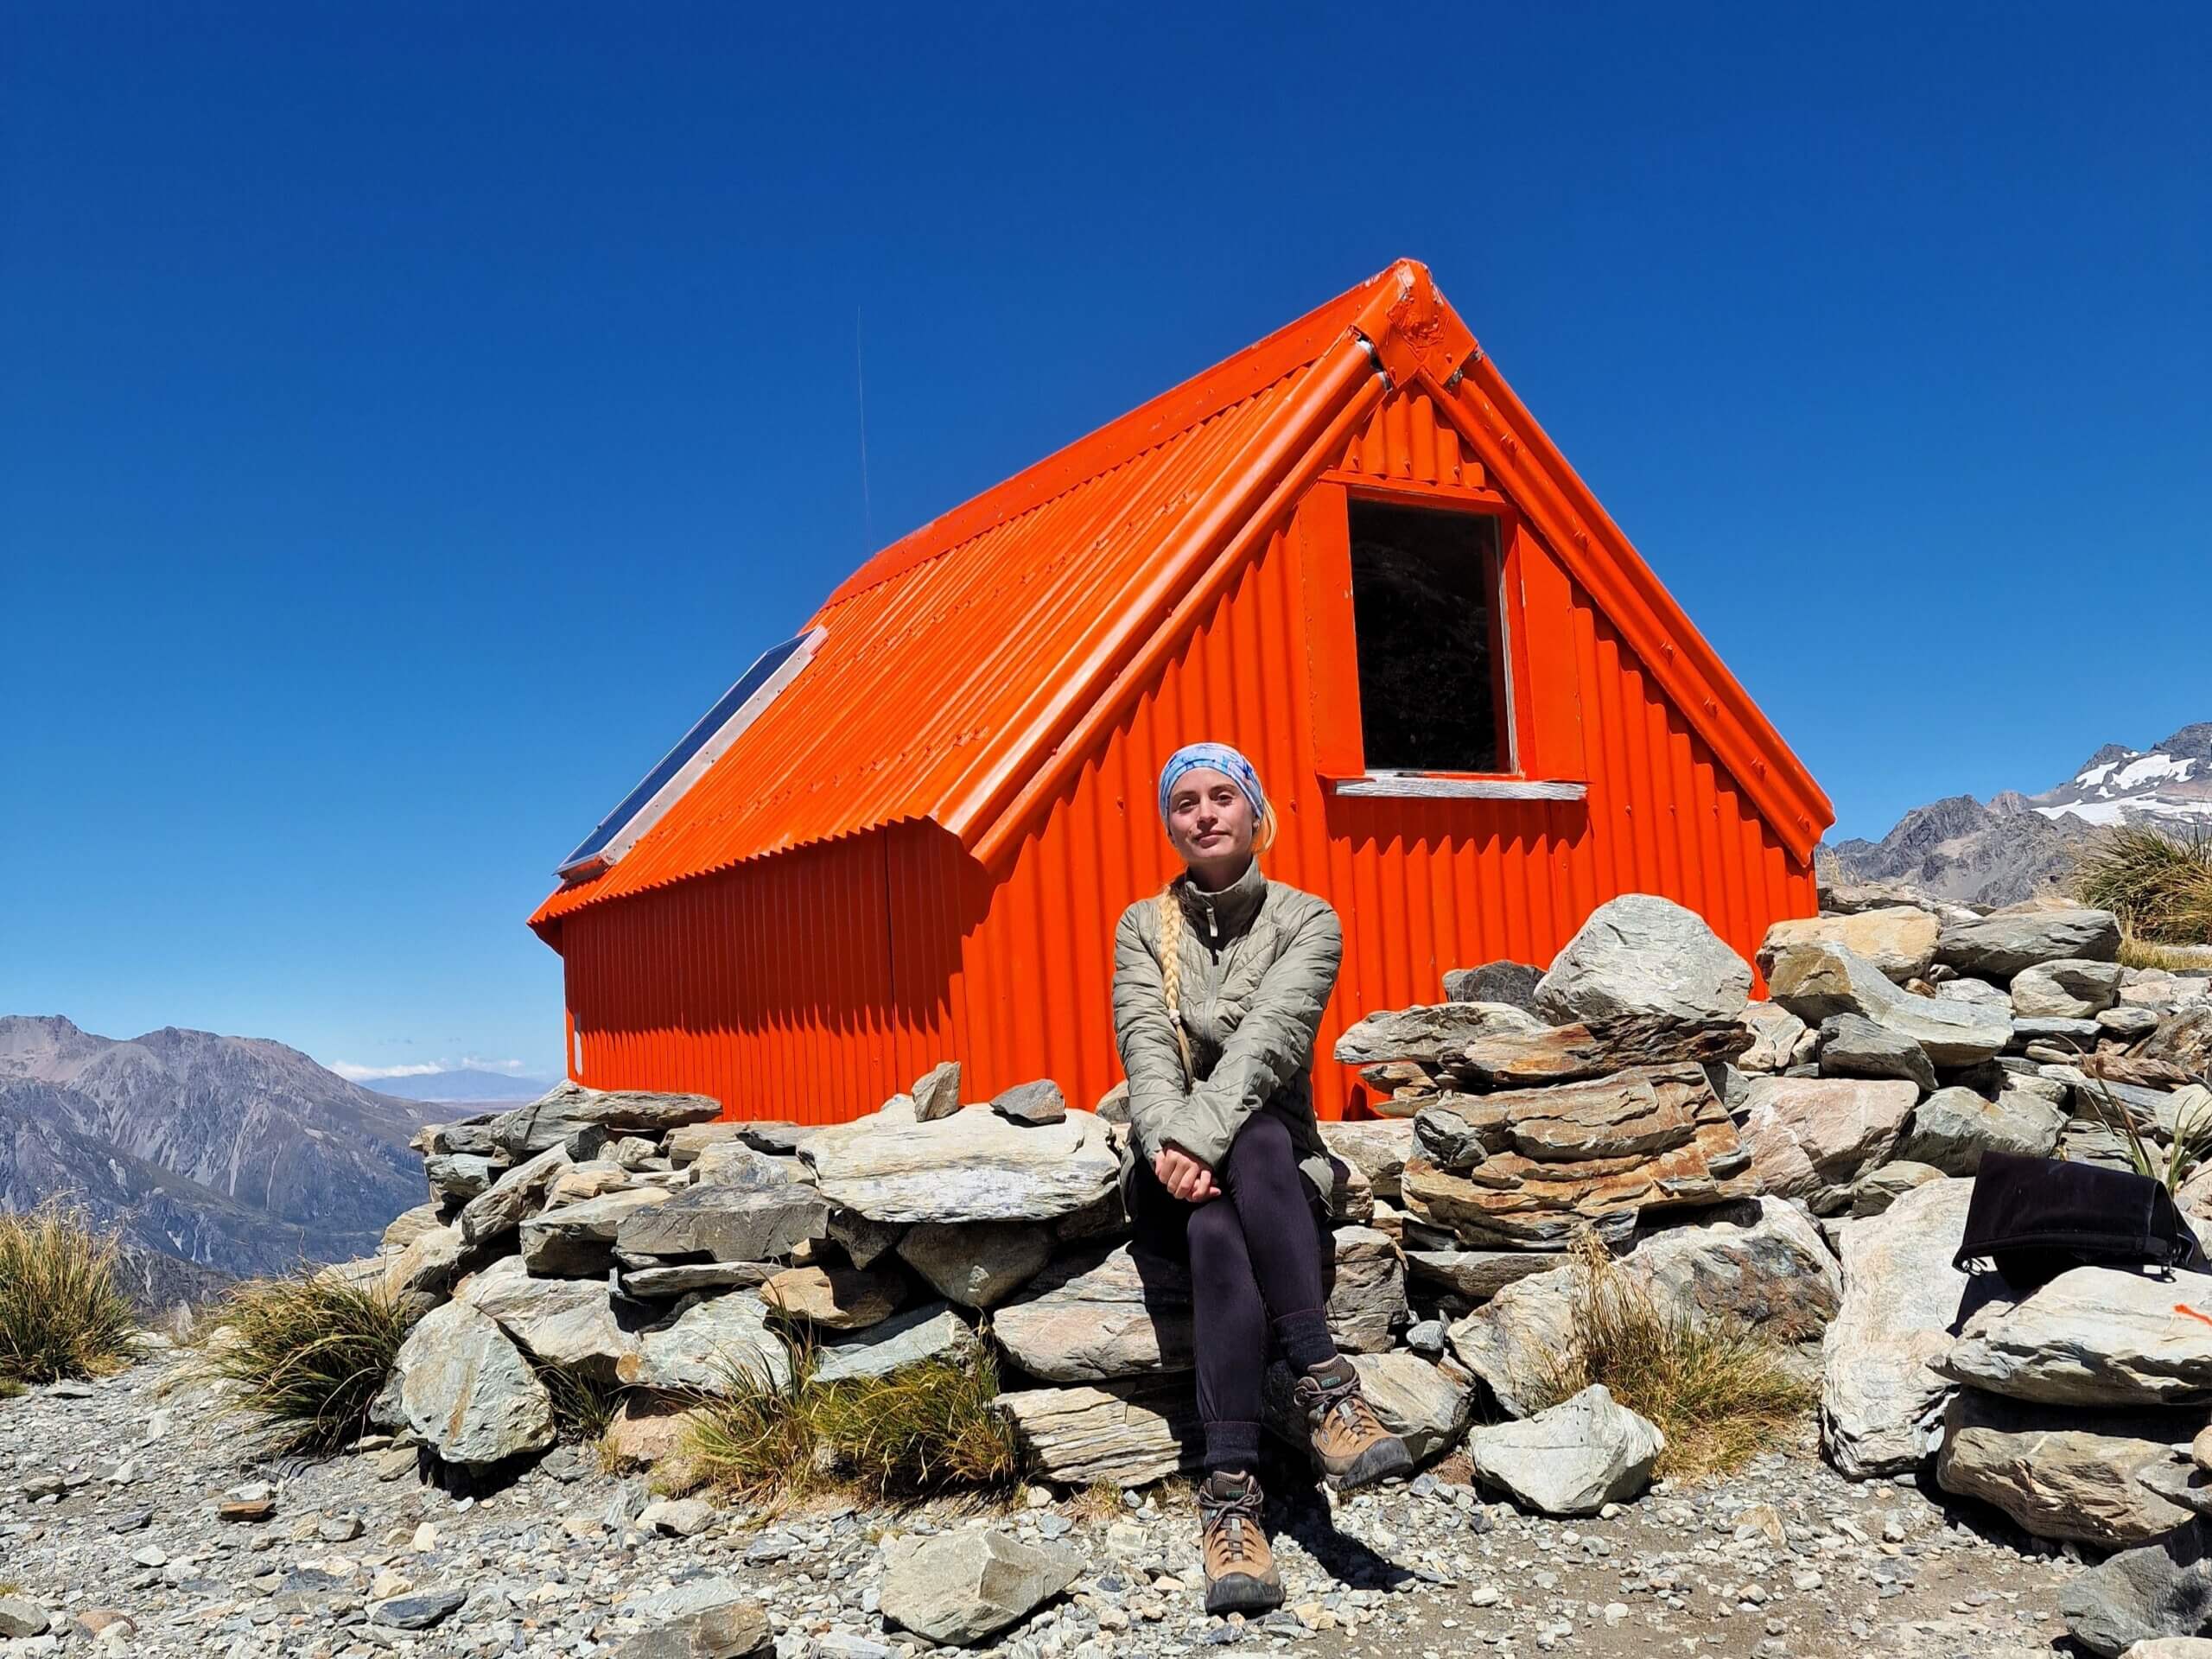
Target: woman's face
{"x": 1209, "y": 824}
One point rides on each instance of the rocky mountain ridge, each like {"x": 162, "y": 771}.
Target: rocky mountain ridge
{"x": 2015, "y": 845}
{"x": 216, "y": 1157}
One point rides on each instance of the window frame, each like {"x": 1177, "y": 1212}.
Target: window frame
{"x": 1324, "y": 525}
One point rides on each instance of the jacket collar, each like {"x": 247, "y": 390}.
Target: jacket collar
{"x": 1230, "y": 911}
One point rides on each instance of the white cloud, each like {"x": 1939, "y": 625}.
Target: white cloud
{"x": 477, "y": 1063}
{"x": 353, "y": 1073}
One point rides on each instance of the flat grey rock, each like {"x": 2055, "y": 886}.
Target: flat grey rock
{"x": 2088, "y": 1476}
{"x": 964, "y": 1587}
{"x": 1954, "y": 1128}
{"x": 710, "y": 1344}
{"x": 1377, "y": 1148}
{"x": 1429, "y": 1034}
{"x": 728, "y": 1222}
{"x": 570, "y": 1322}
{"x": 979, "y": 1263}
{"x": 2000, "y": 944}
{"x": 971, "y": 1166}
{"x": 577, "y": 1240}
{"x": 1881, "y": 1404}
{"x": 1040, "y": 1101}
{"x": 932, "y": 1331}
{"x": 2095, "y": 1337}
{"x": 2161, "y": 1589}
{"x": 1572, "y": 1460}
{"x": 467, "y": 1389}
{"x": 1129, "y": 1434}
{"x": 2067, "y": 988}
{"x": 1852, "y": 1046}
{"x": 936, "y": 1093}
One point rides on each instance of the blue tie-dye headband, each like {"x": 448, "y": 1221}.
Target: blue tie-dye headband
{"x": 1213, "y": 757}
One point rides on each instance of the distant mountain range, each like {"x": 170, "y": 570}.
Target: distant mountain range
{"x": 466, "y": 1083}
{"x": 2018, "y": 845}
{"x": 216, "y": 1157}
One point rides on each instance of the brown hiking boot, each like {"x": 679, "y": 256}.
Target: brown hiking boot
{"x": 1352, "y": 1448}
{"x": 1240, "y": 1568}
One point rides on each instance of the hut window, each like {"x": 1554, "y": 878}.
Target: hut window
{"x": 1424, "y": 595}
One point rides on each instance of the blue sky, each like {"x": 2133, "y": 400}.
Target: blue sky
{"x": 413, "y": 415}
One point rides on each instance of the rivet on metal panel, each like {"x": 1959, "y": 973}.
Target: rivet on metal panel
{"x": 1710, "y": 707}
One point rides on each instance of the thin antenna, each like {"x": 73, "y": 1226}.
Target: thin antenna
{"x": 860, "y": 379}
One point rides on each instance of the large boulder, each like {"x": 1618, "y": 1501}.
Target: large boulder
{"x": 2063, "y": 1473}
{"x": 2001, "y": 943}
{"x": 2071, "y": 987}
{"x": 1954, "y": 1128}
{"x": 960, "y": 1588}
{"x": 1759, "y": 1263}
{"x": 1899, "y": 939}
{"x": 1805, "y": 1134}
{"x": 1131, "y": 1434}
{"x": 468, "y": 1391}
{"x": 728, "y": 1223}
{"x": 1433, "y": 1034}
{"x": 1092, "y": 1316}
{"x": 2094, "y": 1337}
{"x": 1573, "y": 1459}
{"x": 1475, "y": 1276}
{"x": 1881, "y": 1404}
{"x": 971, "y": 1166}
{"x": 568, "y": 1322}
{"x": 1642, "y": 954}
{"x": 2160, "y": 1589}
{"x": 1817, "y": 980}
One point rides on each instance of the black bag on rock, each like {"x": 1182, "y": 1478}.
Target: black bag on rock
{"x": 2032, "y": 1218}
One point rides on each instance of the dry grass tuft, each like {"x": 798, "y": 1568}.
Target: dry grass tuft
{"x": 309, "y": 1355}
{"x": 1717, "y": 1391}
{"x": 583, "y": 1404}
{"x": 62, "y": 1313}
{"x": 2158, "y": 885}
{"x": 2136, "y": 952}
{"x": 926, "y": 1428}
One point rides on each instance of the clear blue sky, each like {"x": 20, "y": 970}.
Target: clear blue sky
{"x": 413, "y": 416}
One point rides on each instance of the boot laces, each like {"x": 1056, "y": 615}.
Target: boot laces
{"x": 1345, "y": 1401}
{"x": 1236, "y": 1520}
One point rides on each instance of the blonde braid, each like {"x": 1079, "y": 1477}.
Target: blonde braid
{"x": 1171, "y": 968}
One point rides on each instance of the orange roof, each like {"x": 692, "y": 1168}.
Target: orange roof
{"x": 958, "y": 661}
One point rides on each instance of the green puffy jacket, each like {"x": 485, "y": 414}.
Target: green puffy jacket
{"x": 1259, "y": 961}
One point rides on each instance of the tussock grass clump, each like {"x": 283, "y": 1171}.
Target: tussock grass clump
{"x": 1717, "y": 1391}
{"x": 309, "y": 1354}
{"x": 926, "y": 1428}
{"x": 583, "y": 1404}
{"x": 62, "y": 1310}
{"x": 2136, "y": 952}
{"x": 2169, "y": 1164}
{"x": 2160, "y": 885}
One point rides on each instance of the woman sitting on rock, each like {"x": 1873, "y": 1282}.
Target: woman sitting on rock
{"x": 1219, "y": 983}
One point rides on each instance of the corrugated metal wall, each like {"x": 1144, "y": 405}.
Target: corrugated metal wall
{"x": 812, "y": 985}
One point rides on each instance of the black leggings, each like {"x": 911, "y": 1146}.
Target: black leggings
{"x": 1253, "y": 1251}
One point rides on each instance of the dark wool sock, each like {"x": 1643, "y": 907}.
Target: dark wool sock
{"x": 1304, "y": 1338}
{"x": 1233, "y": 1445}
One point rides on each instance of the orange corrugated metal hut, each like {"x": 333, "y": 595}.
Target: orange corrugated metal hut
{"x": 905, "y": 836}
